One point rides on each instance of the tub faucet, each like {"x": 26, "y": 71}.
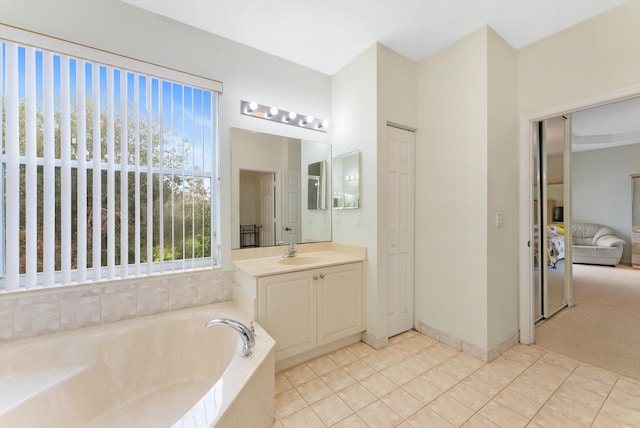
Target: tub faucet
{"x": 291, "y": 252}
{"x": 247, "y": 333}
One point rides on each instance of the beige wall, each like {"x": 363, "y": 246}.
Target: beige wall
{"x": 451, "y": 196}
{"x": 596, "y": 56}
{"x": 502, "y": 272}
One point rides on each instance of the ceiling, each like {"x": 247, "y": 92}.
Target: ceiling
{"x": 325, "y": 35}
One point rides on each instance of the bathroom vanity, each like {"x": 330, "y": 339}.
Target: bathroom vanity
{"x": 310, "y": 304}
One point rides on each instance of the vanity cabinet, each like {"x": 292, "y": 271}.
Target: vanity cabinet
{"x": 307, "y": 309}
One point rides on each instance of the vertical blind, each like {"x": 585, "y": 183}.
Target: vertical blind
{"x": 106, "y": 172}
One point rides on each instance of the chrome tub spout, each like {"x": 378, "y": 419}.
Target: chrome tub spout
{"x": 247, "y": 333}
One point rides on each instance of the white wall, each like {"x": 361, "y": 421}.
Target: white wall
{"x": 601, "y": 189}
{"x": 502, "y": 172}
{"x": 247, "y": 74}
{"x": 354, "y": 127}
{"x": 451, "y": 200}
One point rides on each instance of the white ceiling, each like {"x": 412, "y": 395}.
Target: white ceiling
{"x": 325, "y": 35}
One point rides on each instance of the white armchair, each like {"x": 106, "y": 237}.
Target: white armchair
{"x": 596, "y": 244}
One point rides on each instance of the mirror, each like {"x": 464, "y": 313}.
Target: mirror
{"x": 270, "y": 190}
{"x": 316, "y": 185}
{"x": 346, "y": 179}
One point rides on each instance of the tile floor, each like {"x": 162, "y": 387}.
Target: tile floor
{"x": 419, "y": 382}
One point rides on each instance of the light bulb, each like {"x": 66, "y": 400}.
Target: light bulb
{"x": 251, "y": 107}
{"x": 272, "y": 112}
{"x": 307, "y": 120}
{"x": 322, "y": 124}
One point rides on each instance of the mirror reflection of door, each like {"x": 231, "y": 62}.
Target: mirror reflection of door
{"x": 291, "y": 194}
{"x": 257, "y": 208}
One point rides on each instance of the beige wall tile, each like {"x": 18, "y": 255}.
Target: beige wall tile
{"x": 35, "y": 315}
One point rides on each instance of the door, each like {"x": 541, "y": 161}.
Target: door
{"x": 267, "y": 210}
{"x": 339, "y": 302}
{"x": 287, "y": 310}
{"x": 399, "y": 224}
{"x": 291, "y": 199}
{"x": 551, "y": 215}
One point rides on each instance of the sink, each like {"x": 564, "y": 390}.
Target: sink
{"x": 301, "y": 260}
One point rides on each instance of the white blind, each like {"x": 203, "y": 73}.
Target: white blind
{"x": 106, "y": 172}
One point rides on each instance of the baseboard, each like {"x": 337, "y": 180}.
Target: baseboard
{"x": 376, "y": 342}
{"x": 476, "y": 351}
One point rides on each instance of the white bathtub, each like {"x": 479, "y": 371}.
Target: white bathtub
{"x": 157, "y": 371}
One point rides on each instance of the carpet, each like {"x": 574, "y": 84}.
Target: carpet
{"x": 603, "y": 328}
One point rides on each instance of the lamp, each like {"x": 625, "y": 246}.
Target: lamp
{"x": 251, "y": 108}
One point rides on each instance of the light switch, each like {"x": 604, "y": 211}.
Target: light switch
{"x": 499, "y": 218}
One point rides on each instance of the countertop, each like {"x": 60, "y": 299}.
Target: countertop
{"x": 275, "y": 265}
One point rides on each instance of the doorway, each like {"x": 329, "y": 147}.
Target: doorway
{"x": 526, "y": 174}
{"x": 257, "y": 208}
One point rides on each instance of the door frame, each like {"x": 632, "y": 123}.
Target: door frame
{"x": 525, "y": 198}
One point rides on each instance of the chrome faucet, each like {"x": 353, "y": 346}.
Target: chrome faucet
{"x": 291, "y": 252}
{"x": 248, "y": 333}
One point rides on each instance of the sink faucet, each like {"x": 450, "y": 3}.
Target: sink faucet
{"x": 291, "y": 252}
{"x": 247, "y": 333}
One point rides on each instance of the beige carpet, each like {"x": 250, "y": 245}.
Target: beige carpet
{"x": 603, "y": 329}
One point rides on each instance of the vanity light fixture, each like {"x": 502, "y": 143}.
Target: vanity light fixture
{"x": 251, "y": 108}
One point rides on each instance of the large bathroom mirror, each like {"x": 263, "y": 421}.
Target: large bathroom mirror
{"x": 278, "y": 190}
{"x": 346, "y": 179}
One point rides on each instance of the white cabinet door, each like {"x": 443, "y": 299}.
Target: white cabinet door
{"x": 287, "y": 311}
{"x": 339, "y": 302}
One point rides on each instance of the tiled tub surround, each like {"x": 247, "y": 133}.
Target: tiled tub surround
{"x": 31, "y": 313}
{"x": 156, "y": 371}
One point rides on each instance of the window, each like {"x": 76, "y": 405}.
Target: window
{"x": 106, "y": 172}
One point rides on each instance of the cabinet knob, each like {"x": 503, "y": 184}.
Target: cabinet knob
{"x": 315, "y": 276}
{"x": 321, "y": 276}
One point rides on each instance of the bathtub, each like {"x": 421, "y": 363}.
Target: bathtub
{"x": 164, "y": 370}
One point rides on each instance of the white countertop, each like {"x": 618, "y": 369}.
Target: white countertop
{"x": 274, "y": 265}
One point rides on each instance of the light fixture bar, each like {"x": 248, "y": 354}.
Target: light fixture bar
{"x": 251, "y": 108}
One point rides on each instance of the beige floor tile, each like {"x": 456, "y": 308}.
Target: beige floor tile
{"x": 288, "y": 402}
{"x": 599, "y": 375}
{"x": 517, "y": 354}
{"x": 581, "y": 391}
{"x": 498, "y": 374}
{"x": 412, "y": 346}
{"x": 397, "y": 374}
{"x": 342, "y": 357}
{"x": 401, "y": 337}
{"x": 353, "y": 421}
{"x": 314, "y": 390}
{"x": 415, "y": 365}
{"x": 377, "y": 361}
{"x": 603, "y": 421}
{"x": 517, "y": 402}
{"x": 282, "y": 383}
{"x": 402, "y": 403}
{"x": 572, "y": 410}
{"x": 532, "y": 389}
{"x": 483, "y": 385}
{"x": 303, "y": 418}
{"x": 560, "y": 360}
{"x": 404, "y": 424}
{"x": 299, "y": 374}
{"x": 357, "y": 396}
{"x": 428, "y": 418}
{"x": 626, "y": 394}
{"x": 619, "y": 412}
{"x": 459, "y": 367}
{"x": 478, "y": 421}
{"x": 468, "y": 396}
{"x": 359, "y": 370}
{"x": 503, "y": 416}
{"x": 425, "y": 340}
{"x": 378, "y": 415}
{"x": 322, "y": 365}
{"x": 337, "y": 380}
{"x": 277, "y": 424}
{"x": 360, "y": 349}
{"x": 530, "y": 350}
{"x": 378, "y": 385}
{"x": 547, "y": 418}
{"x": 450, "y": 409}
{"x": 422, "y": 390}
{"x": 439, "y": 379}
{"x": 331, "y": 409}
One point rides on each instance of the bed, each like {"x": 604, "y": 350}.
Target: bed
{"x": 555, "y": 244}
